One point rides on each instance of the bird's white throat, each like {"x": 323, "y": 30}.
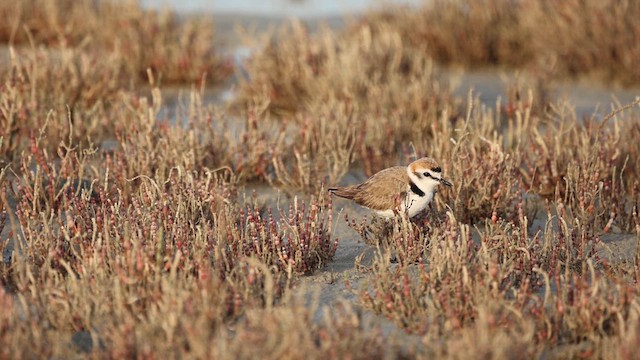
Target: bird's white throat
{"x": 421, "y": 195}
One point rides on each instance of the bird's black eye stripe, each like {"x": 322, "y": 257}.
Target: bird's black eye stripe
{"x": 437, "y": 169}
{"x": 426, "y": 173}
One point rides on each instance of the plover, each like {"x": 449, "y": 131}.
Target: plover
{"x": 397, "y": 188}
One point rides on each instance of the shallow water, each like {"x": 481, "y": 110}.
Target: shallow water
{"x": 277, "y": 8}
{"x": 588, "y": 99}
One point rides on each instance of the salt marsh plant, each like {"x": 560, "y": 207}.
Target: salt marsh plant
{"x": 552, "y": 292}
{"x": 89, "y": 255}
{"x": 124, "y": 229}
{"x": 135, "y": 39}
{"x": 599, "y": 39}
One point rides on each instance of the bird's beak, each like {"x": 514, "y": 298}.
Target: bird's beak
{"x": 445, "y": 182}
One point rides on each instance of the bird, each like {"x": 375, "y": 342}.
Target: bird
{"x": 397, "y": 188}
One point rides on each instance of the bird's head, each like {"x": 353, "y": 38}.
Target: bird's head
{"x": 426, "y": 173}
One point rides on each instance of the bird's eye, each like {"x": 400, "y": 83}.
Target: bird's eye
{"x": 426, "y": 174}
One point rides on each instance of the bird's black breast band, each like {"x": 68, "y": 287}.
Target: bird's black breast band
{"x": 415, "y": 189}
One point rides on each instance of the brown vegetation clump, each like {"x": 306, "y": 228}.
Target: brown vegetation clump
{"x": 569, "y": 38}
{"x": 375, "y": 83}
{"x": 598, "y": 38}
{"x": 549, "y": 293}
{"x": 74, "y": 98}
{"x": 135, "y": 39}
{"x": 466, "y": 33}
{"x": 350, "y": 98}
{"x": 497, "y": 159}
{"x": 155, "y": 262}
{"x": 46, "y": 93}
{"x": 341, "y": 331}
{"x": 124, "y": 231}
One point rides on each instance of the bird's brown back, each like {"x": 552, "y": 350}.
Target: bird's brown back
{"x": 381, "y": 191}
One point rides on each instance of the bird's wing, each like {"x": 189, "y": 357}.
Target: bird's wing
{"x": 346, "y": 192}
{"x": 384, "y": 190}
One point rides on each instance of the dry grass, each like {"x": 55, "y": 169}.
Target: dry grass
{"x": 572, "y": 38}
{"x": 340, "y": 332}
{"x": 598, "y": 39}
{"x": 127, "y": 234}
{"x": 359, "y": 98}
{"x": 43, "y": 92}
{"x": 473, "y": 34}
{"x": 375, "y": 83}
{"x": 153, "y": 262}
{"x": 494, "y": 290}
{"x": 504, "y": 286}
{"x": 135, "y": 39}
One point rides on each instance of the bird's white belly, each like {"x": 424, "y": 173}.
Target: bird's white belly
{"x": 385, "y": 213}
{"x": 415, "y": 204}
